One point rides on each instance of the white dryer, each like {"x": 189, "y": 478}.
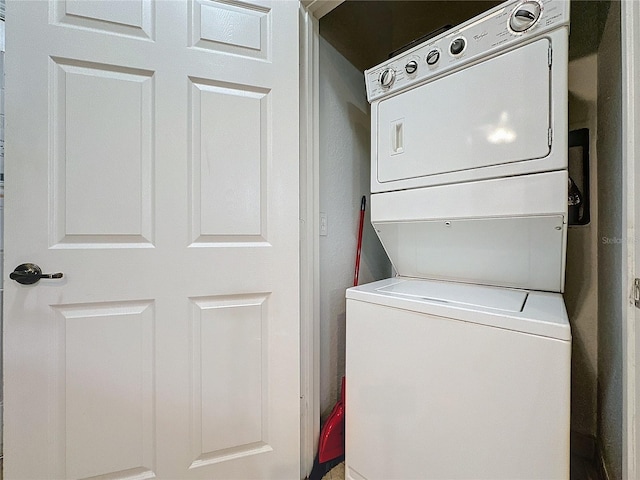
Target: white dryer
{"x": 460, "y": 366}
{"x": 484, "y": 101}
{"x": 479, "y": 101}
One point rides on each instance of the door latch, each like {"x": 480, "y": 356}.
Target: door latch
{"x": 636, "y": 292}
{"x": 30, "y": 273}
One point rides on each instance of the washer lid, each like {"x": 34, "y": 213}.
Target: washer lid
{"x": 537, "y": 313}
{"x": 459, "y": 293}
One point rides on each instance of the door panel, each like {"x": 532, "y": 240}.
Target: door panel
{"x": 106, "y": 388}
{"x": 153, "y": 155}
{"x": 249, "y": 37}
{"x": 229, "y": 159}
{"x": 132, "y": 18}
{"x": 223, "y": 329}
{"x": 86, "y": 97}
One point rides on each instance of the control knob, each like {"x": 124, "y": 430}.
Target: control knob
{"x": 387, "y": 77}
{"x": 432, "y": 57}
{"x": 525, "y": 16}
{"x": 411, "y": 67}
{"x": 457, "y": 46}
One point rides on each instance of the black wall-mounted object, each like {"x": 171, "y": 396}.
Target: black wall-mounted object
{"x": 578, "y": 200}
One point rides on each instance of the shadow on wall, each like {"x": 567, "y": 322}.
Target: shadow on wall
{"x": 577, "y": 291}
{"x": 344, "y": 170}
{"x": 360, "y": 122}
{"x": 374, "y": 264}
{"x": 581, "y": 285}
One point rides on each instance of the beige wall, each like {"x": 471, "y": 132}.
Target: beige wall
{"x": 581, "y": 287}
{"x": 610, "y": 245}
{"x": 345, "y": 134}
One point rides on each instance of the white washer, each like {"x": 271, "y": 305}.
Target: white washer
{"x": 460, "y": 366}
{"x": 459, "y": 381}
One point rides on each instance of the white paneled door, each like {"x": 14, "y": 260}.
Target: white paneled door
{"x": 152, "y": 157}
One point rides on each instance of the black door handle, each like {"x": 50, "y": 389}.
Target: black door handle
{"x": 30, "y": 273}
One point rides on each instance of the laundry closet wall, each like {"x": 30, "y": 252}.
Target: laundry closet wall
{"x": 345, "y": 133}
{"x": 610, "y": 341}
{"x": 581, "y": 286}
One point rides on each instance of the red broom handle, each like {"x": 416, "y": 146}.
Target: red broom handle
{"x": 363, "y": 204}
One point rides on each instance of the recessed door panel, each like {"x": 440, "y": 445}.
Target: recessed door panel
{"x": 229, "y": 158}
{"x": 105, "y": 379}
{"x": 103, "y": 193}
{"x": 134, "y": 18}
{"x": 492, "y": 113}
{"x": 248, "y": 36}
{"x": 231, "y": 27}
{"x": 229, "y": 408}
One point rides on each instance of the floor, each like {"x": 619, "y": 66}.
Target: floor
{"x": 336, "y": 473}
{"x": 581, "y": 469}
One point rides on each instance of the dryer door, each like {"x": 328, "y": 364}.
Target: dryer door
{"x": 493, "y": 113}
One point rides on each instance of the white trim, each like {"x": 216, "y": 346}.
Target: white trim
{"x": 630, "y": 36}
{"x": 309, "y": 249}
{"x": 319, "y": 8}
{"x": 310, "y": 12}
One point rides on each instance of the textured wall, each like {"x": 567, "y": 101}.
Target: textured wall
{"x": 344, "y": 177}
{"x": 581, "y": 286}
{"x": 609, "y": 246}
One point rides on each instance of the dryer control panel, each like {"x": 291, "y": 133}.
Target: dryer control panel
{"x": 498, "y": 29}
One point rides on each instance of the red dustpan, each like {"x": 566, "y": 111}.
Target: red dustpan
{"x": 332, "y": 435}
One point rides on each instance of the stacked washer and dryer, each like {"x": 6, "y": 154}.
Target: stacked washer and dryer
{"x": 459, "y": 366}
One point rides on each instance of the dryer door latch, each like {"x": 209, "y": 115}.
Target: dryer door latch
{"x": 636, "y": 292}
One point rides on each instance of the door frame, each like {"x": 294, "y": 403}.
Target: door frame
{"x": 310, "y": 13}
{"x": 630, "y": 39}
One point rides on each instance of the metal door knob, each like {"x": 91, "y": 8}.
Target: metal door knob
{"x": 30, "y": 273}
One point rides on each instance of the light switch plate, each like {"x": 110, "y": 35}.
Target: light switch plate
{"x": 324, "y": 224}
